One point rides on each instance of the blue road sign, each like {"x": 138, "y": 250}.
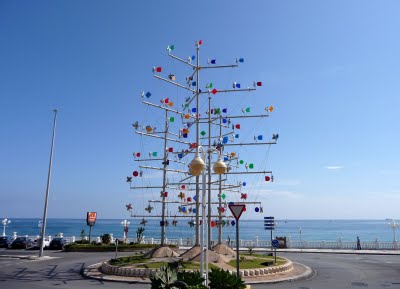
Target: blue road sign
{"x": 275, "y": 243}
{"x": 269, "y": 223}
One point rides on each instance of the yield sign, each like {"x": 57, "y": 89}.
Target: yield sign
{"x": 237, "y": 210}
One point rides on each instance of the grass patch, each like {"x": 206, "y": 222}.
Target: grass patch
{"x": 255, "y": 263}
{"x": 185, "y": 265}
{"x": 124, "y": 261}
{"x": 258, "y": 255}
{"x": 74, "y": 247}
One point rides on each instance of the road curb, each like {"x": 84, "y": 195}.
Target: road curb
{"x": 93, "y": 272}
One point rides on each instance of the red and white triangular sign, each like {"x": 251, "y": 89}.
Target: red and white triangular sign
{"x": 237, "y": 210}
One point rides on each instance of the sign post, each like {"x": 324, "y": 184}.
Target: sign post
{"x": 269, "y": 224}
{"x": 275, "y": 244}
{"x": 237, "y": 211}
{"x": 91, "y": 220}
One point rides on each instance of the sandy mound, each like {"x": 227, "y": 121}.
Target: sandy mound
{"x": 213, "y": 257}
{"x": 192, "y": 252}
{"x": 161, "y": 252}
{"x": 224, "y": 250}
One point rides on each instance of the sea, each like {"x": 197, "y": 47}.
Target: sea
{"x": 306, "y": 230}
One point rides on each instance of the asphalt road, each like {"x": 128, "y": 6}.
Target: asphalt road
{"x": 332, "y": 271}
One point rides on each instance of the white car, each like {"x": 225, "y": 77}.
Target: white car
{"x": 46, "y": 243}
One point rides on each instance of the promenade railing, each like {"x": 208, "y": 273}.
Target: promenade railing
{"x": 256, "y": 243}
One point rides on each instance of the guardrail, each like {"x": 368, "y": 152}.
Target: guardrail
{"x": 297, "y": 244}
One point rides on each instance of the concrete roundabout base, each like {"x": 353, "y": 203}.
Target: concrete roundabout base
{"x": 296, "y": 272}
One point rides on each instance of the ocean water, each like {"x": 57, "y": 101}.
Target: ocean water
{"x": 311, "y": 230}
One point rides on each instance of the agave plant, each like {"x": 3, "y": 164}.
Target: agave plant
{"x": 192, "y": 279}
{"x": 167, "y": 278}
{"x": 220, "y": 279}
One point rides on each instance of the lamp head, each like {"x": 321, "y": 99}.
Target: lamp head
{"x": 197, "y": 165}
{"x": 219, "y": 167}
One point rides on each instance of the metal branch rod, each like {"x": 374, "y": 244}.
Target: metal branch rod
{"x": 151, "y": 187}
{"x": 161, "y": 169}
{"x": 189, "y": 183}
{"x": 190, "y": 101}
{"x": 146, "y": 187}
{"x": 163, "y": 132}
{"x": 172, "y": 202}
{"x": 174, "y": 83}
{"x": 219, "y": 66}
{"x": 250, "y": 144}
{"x": 216, "y": 124}
{"x": 240, "y": 173}
{"x": 172, "y": 216}
{"x": 181, "y": 60}
{"x": 159, "y": 137}
{"x": 147, "y": 160}
{"x": 162, "y": 107}
{"x": 231, "y": 90}
{"x": 238, "y": 116}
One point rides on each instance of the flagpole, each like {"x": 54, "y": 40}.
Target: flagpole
{"x": 48, "y": 187}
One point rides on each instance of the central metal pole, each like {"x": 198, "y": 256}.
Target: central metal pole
{"x": 48, "y": 187}
{"x": 203, "y": 272}
{"x": 164, "y": 179}
{"x": 220, "y": 191}
{"x": 209, "y": 174}
{"x": 237, "y": 247}
{"x": 197, "y": 142}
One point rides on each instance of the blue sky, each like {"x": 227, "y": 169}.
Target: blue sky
{"x": 330, "y": 69}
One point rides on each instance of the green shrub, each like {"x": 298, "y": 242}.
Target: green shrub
{"x": 200, "y": 286}
{"x": 191, "y": 278}
{"x": 139, "y": 234}
{"x": 220, "y": 279}
{"x": 82, "y": 242}
{"x": 105, "y": 238}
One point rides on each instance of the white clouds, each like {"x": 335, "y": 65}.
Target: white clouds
{"x": 334, "y": 167}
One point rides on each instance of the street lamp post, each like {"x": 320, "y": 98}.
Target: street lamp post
{"x": 43, "y": 231}
{"x": 125, "y": 224}
{"x": 197, "y": 166}
{"x": 394, "y": 225}
{"x": 5, "y": 223}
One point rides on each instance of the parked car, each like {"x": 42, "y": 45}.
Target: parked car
{"x": 5, "y": 242}
{"x": 57, "y": 243}
{"x": 22, "y": 242}
{"x": 37, "y": 243}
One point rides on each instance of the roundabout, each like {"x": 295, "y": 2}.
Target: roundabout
{"x": 254, "y": 268}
